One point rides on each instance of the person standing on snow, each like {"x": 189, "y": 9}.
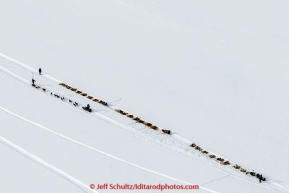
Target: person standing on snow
{"x": 40, "y": 71}
{"x": 87, "y": 108}
{"x": 33, "y": 79}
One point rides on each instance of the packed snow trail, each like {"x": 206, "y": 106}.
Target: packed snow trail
{"x": 50, "y": 167}
{"x": 14, "y": 75}
{"x": 58, "y": 82}
{"x": 166, "y": 141}
{"x": 28, "y": 68}
{"x": 99, "y": 151}
{"x": 155, "y": 137}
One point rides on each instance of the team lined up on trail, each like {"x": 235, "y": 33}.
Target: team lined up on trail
{"x": 149, "y": 125}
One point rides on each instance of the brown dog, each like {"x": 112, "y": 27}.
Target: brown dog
{"x": 212, "y": 156}
{"x": 236, "y": 167}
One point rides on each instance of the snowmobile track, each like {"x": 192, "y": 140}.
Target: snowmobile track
{"x": 176, "y": 143}
{"x": 90, "y": 148}
{"x": 50, "y": 167}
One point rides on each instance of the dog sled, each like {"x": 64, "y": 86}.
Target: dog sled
{"x": 87, "y": 109}
{"x": 166, "y": 131}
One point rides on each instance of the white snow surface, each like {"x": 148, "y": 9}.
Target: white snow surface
{"x": 213, "y": 72}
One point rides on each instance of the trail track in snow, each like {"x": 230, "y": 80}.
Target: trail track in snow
{"x": 74, "y": 181}
{"x": 177, "y": 143}
{"x": 88, "y": 147}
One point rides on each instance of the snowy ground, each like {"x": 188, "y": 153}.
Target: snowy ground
{"x": 215, "y": 73}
